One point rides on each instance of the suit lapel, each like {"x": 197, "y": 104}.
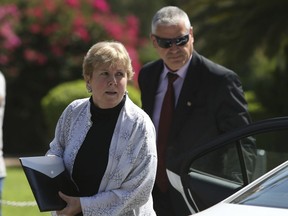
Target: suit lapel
{"x": 186, "y": 100}
{"x": 154, "y": 77}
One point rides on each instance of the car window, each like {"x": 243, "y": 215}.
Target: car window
{"x": 234, "y": 162}
{"x": 219, "y": 173}
{"x": 271, "y": 150}
{"x": 223, "y": 164}
{"x": 271, "y": 192}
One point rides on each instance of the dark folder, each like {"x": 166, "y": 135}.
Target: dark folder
{"x": 47, "y": 176}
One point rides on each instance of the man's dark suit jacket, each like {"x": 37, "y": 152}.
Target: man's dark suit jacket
{"x": 211, "y": 102}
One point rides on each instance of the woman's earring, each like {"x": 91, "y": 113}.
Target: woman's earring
{"x": 88, "y": 87}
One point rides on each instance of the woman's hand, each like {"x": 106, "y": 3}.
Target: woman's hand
{"x": 73, "y": 205}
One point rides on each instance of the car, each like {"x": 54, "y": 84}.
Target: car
{"x": 266, "y": 196}
{"x": 217, "y": 174}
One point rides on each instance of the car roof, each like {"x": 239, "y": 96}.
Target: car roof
{"x": 227, "y": 209}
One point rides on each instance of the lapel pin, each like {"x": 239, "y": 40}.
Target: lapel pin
{"x": 189, "y": 103}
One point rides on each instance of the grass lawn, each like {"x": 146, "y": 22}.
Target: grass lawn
{"x": 17, "y": 189}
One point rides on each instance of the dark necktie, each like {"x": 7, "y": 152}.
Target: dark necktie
{"x": 163, "y": 131}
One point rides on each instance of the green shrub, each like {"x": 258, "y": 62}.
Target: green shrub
{"x": 134, "y": 94}
{"x": 256, "y": 109}
{"x": 54, "y": 103}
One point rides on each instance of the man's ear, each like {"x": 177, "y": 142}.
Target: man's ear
{"x": 192, "y": 34}
{"x": 153, "y": 40}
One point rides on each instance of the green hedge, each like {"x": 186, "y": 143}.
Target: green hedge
{"x": 59, "y": 97}
{"x": 256, "y": 109}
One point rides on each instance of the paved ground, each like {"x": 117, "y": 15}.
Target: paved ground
{"x": 11, "y": 161}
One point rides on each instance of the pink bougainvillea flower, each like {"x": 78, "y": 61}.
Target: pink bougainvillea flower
{"x": 29, "y": 54}
{"x": 35, "y": 56}
{"x": 101, "y": 5}
{"x": 82, "y": 33}
{"x": 11, "y": 39}
{"x": 47, "y": 29}
{"x": 73, "y": 3}
{"x": 35, "y": 12}
{"x": 114, "y": 29}
{"x": 79, "y": 28}
{"x": 50, "y": 29}
{"x": 6, "y": 10}
{"x": 79, "y": 20}
{"x": 133, "y": 26}
{"x": 130, "y": 31}
{"x": 35, "y": 28}
{"x": 49, "y": 5}
{"x": 135, "y": 59}
{"x": 112, "y": 25}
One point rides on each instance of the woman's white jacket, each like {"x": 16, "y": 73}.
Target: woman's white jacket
{"x": 127, "y": 183}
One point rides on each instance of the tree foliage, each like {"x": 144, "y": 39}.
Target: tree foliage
{"x": 43, "y": 44}
{"x": 235, "y": 29}
{"x": 246, "y": 35}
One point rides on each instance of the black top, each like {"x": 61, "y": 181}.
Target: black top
{"x": 92, "y": 158}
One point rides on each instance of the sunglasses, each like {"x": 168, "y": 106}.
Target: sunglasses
{"x": 167, "y": 43}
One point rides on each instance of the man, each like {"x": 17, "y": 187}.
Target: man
{"x": 209, "y": 100}
{"x": 2, "y": 106}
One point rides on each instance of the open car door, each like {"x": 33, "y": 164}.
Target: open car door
{"x": 219, "y": 168}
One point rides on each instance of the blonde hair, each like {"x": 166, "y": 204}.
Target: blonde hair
{"x": 107, "y": 53}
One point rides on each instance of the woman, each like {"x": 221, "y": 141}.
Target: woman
{"x": 106, "y": 141}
